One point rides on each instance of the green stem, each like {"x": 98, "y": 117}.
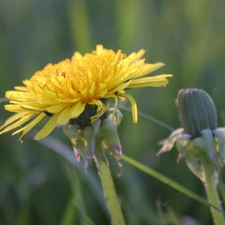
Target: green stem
{"x": 212, "y": 193}
{"x": 110, "y": 195}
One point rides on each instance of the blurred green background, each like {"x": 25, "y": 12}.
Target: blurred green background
{"x": 37, "y": 185}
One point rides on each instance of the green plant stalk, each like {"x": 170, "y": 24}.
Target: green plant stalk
{"x": 169, "y": 182}
{"x": 212, "y": 193}
{"x": 110, "y": 195}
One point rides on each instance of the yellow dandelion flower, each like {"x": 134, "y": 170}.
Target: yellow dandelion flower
{"x": 65, "y": 90}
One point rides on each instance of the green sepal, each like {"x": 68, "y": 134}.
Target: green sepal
{"x": 194, "y": 164}
{"x": 88, "y": 135}
{"x": 111, "y": 138}
{"x": 220, "y": 138}
{"x": 209, "y": 144}
{"x": 168, "y": 143}
{"x": 182, "y": 145}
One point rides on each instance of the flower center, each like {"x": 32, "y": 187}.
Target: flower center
{"x": 84, "y": 119}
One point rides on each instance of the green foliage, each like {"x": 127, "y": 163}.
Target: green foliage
{"x": 37, "y": 186}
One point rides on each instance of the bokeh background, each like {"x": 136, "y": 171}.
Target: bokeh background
{"x": 38, "y": 185}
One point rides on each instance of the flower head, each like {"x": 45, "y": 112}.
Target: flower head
{"x": 75, "y": 91}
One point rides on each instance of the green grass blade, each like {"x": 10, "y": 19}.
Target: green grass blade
{"x": 168, "y": 181}
{"x": 173, "y": 217}
{"x": 148, "y": 117}
{"x": 66, "y": 153}
{"x": 70, "y": 214}
{"x": 80, "y": 26}
{"x": 221, "y": 188}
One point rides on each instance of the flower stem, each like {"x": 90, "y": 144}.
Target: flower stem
{"x": 210, "y": 183}
{"x": 110, "y": 195}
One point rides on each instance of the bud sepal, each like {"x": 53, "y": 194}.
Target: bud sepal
{"x": 93, "y": 140}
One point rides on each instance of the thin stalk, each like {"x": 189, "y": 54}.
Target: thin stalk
{"x": 211, "y": 189}
{"x": 110, "y": 195}
{"x": 169, "y": 182}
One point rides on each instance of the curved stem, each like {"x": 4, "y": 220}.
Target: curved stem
{"x": 110, "y": 195}
{"x": 210, "y": 183}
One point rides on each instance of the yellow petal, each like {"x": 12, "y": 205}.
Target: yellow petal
{"x": 18, "y": 123}
{"x": 140, "y": 53}
{"x": 19, "y": 88}
{"x": 133, "y": 106}
{"x": 155, "y": 81}
{"x": 99, "y": 49}
{"x": 16, "y": 95}
{"x": 29, "y": 126}
{"x": 65, "y": 115}
{"x": 48, "y": 128}
{"x": 12, "y": 119}
{"x": 14, "y": 108}
{"x": 117, "y": 88}
{"x": 101, "y": 109}
{"x": 78, "y": 109}
{"x": 148, "y": 68}
{"x": 55, "y": 108}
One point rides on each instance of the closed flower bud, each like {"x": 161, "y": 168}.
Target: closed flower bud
{"x": 196, "y": 110}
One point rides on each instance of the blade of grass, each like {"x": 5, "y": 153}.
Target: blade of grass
{"x": 169, "y": 182}
{"x": 70, "y": 214}
{"x": 65, "y": 152}
{"x": 173, "y": 217}
{"x": 80, "y": 25}
{"x": 221, "y": 189}
{"x": 124, "y": 17}
{"x": 150, "y": 118}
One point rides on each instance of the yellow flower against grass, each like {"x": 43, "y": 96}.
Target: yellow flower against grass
{"x": 62, "y": 92}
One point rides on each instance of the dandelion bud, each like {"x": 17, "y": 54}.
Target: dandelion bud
{"x": 199, "y": 140}
{"x": 196, "y": 110}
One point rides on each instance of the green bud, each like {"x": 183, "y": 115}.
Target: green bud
{"x": 196, "y": 110}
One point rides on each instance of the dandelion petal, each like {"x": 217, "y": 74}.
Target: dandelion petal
{"x": 48, "y": 128}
